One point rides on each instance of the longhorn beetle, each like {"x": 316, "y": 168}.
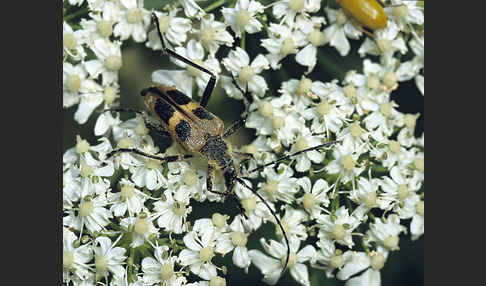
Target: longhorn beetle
{"x": 199, "y": 131}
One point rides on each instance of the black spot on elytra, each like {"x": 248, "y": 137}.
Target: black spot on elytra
{"x": 183, "y": 130}
{"x": 163, "y": 110}
{"x": 178, "y": 97}
{"x": 202, "y": 113}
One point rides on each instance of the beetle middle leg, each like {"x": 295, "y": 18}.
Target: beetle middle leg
{"x": 141, "y": 153}
{"x": 212, "y": 80}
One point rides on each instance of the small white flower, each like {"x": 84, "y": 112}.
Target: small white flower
{"x": 77, "y": 88}
{"x": 72, "y": 42}
{"x": 160, "y": 270}
{"x": 142, "y": 228}
{"x": 235, "y": 240}
{"x": 109, "y": 258}
{"x": 417, "y": 226}
{"x": 386, "y": 233}
{"x": 271, "y": 267}
{"x": 75, "y": 259}
{"x": 91, "y": 213}
{"x": 128, "y": 199}
{"x": 386, "y": 44}
{"x": 173, "y": 28}
{"x": 212, "y": 34}
{"x": 134, "y": 21}
{"x": 345, "y": 162}
{"x": 314, "y": 38}
{"x": 339, "y": 28}
{"x": 108, "y": 62}
{"x": 279, "y": 186}
{"x": 288, "y": 9}
{"x": 338, "y": 227}
{"x": 398, "y": 190}
{"x": 313, "y": 199}
{"x": 101, "y": 24}
{"x": 246, "y": 73}
{"x": 171, "y": 214}
{"x": 274, "y": 117}
{"x": 405, "y": 13}
{"x": 201, "y": 244}
{"x": 283, "y": 41}
{"x": 306, "y": 140}
{"x": 355, "y": 262}
{"x": 241, "y": 18}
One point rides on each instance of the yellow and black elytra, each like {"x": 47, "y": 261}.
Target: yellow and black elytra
{"x": 200, "y": 132}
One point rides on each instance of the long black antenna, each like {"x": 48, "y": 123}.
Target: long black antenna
{"x": 294, "y": 154}
{"x": 276, "y": 218}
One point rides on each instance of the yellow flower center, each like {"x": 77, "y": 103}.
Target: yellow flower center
{"x": 394, "y": 146}
{"x": 164, "y": 23}
{"x": 420, "y": 208}
{"x": 85, "y": 208}
{"x": 219, "y": 220}
{"x": 134, "y": 15}
{"x": 113, "y": 63}
{"x": 166, "y": 271}
{"x": 370, "y": 200}
{"x": 141, "y": 226}
{"x": 350, "y": 91}
{"x": 179, "y": 208}
{"x": 249, "y": 204}
{"x": 190, "y": 178}
{"x": 391, "y": 242}
{"x": 308, "y": 201}
{"x": 297, "y": 5}
{"x": 67, "y": 259}
{"x": 316, "y": 38}
{"x": 373, "y": 82}
{"x": 277, "y": 122}
{"x": 293, "y": 259}
{"x": 105, "y": 28}
{"x": 206, "y": 254}
{"x": 323, "y": 108}
{"x": 101, "y": 263}
{"x": 384, "y": 45}
{"x": 400, "y": 11}
{"x": 242, "y": 18}
{"x": 355, "y": 130}
{"x": 246, "y": 74}
{"x": 239, "y": 238}
{"x": 305, "y": 86}
{"x": 301, "y": 144}
{"x": 338, "y": 232}
{"x": 377, "y": 260}
{"x": 265, "y": 108}
{"x": 207, "y": 36}
{"x": 348, "y": 162}
{"x": 110, "y": 95}
{"x": 69, "y": 41}
{"x": 402, "y": 192}
{"x": 73, "y": 83}
{"x": 386, "y": 109}
{"x": 288, "y": 46}
{"x": 126, "y": 192}
{"x": 81, "y": 145}
{"x": 419, "y": 164}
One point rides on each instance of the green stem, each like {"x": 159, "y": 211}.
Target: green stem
{"x": 242, "y": 42}
{"x": 214, "y": 5}
{"x": 76, "y": 14}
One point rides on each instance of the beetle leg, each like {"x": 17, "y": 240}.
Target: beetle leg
{"x": 212, "y": 80}
{"x": 149, "y": 123}
{"x": 141, "y": 153}
{"x": 248, "y": 99}
{"x": 209, "y": 186}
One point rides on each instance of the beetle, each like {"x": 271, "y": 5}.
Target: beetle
{"x": 367, "y": 13}
{"x": 199, "y": 131}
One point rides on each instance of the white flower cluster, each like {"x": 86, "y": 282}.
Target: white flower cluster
{"x": 125, "y": 220}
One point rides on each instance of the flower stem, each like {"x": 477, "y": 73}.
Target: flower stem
{"x": 242, "y": 42}
{"x": 76, "y": 14}
{"x": 214, "y": 5}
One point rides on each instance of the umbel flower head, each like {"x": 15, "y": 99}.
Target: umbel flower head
{"x": 328, "y": 171}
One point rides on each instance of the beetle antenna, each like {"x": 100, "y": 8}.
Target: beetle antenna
{"x": 274, "y": 215}
{"x": 294, "y": 154}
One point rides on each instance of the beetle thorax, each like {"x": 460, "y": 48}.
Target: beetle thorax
{"x": 217, "y": 152}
